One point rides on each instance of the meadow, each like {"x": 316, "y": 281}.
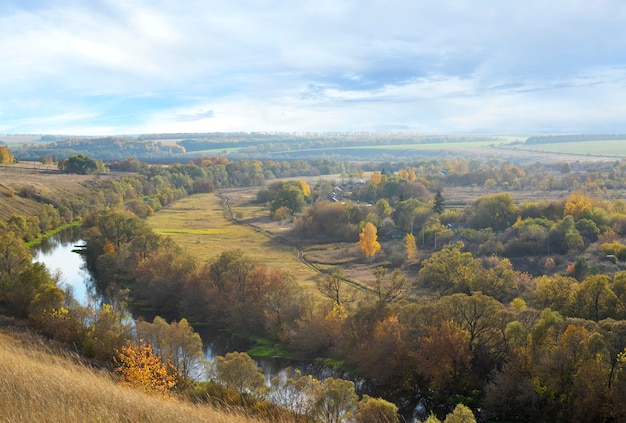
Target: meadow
{"x": 613, "y": 148}
{"x": 198, "y": 225}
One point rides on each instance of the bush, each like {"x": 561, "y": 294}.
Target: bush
{"x": 614, "y": 248}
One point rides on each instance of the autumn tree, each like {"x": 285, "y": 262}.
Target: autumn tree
{"x": 109, "y": 331}
{"x": 368, "y": 240}
{"x": 14, "y": 256}
{"x": 460, "y": 414}
{"x": 410, "y": 246}
{"x": 389, "y": 290}
{"x": 555, "y": 292}
{"x": 6, "y": 156}
{"x": 449, "y": 270}
{"x": 82, "y": 165}
{"x": 238, "y": 371}
{"x": 495, "y": 211}
{"x": 305, "y": 188}
{"x": 335, "y": 288}
{"x": 289, "y": 196}
{"x": 496, "y": 279}
{"x": 577, "y": 205}
{"x": 337, "y": 400}
{"x": 376, "y": 410}
{"x": 444, "y": 359}
{"x": 176, "y": 340}
{"x": 140, "y": 367}
{"x": 297, "y": 392}
{"x": 594, "y": 299}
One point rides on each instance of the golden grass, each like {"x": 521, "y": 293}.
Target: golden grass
{"x": 37, "y": 385}
{"x": 198, "y": 225}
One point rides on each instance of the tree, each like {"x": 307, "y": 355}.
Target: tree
{"x": 238, "y": 371}
{"x": 594, "y": 298}
{"x": 368, "y": 240}
{"x": 410, "y": 246}
{"x": 497, "y": 279}
{"x": 376, "y": 410}
{"x": 439, "y": 203}
{"x": 577, "y": 205}
{"x": 289, "y": 196}
{"x": 337, "y": 400}
{"x": 460, "y": 414}
{"x": 449, "y": 270}
{"x": 383, "y": 208}
{"x": 140, "y": 367}
{"x": 14, "y": 255}
{"x": 495, "y": 211}
{"x": 554, "y": 292}
{"x": 444, "y": 359}
{"x": 389, "y": 290}
{"x": 296, "y": 392}
{"x": 82, "y": 165}
{"x": 305, "y": 188}
{"x": 6, "y": 156}
{"x": 176, "y": 340}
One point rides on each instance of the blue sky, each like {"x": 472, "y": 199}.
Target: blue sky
{"x": 98, "y": 67}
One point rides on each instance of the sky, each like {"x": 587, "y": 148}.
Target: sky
{"x": 113, "y": 67}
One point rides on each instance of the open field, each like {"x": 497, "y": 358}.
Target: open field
{"x": 198, "y": 225}
{"x": 325, "y": 257}
{"x": 613, "y": 148}
{"x": 38, "y": 384}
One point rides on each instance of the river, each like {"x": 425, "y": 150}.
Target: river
{"x": 60, "y": 254}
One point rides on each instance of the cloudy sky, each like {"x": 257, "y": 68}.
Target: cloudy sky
{"x": 430, "y": 66}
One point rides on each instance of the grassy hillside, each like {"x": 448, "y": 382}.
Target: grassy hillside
{"x": 25, "y": 187}
{"x": 39, "y": 385}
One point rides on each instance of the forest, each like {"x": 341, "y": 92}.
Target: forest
{"x": 495, "y": 287}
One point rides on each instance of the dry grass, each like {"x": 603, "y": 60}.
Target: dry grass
{"x": 37, "y": 385}
{"x": 43, "y": 180}
{"x": 198, "y": 225}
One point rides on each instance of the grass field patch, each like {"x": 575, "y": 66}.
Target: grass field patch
{"x": 198, "y": 225}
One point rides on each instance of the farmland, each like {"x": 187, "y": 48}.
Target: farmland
{"x": 612, "y": 148}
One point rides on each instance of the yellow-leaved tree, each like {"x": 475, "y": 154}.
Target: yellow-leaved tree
{"x": 411, "y": 247}
{"x": 6, "y": 156}
{"x": 140, "y": 367}
{"x": 368, "y": 240}
{"x": 577, "y": 205}
{"x": 305, "y": 187}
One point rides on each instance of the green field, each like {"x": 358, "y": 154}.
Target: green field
{"x": 435, "y": 146}
{"x": 613, "y": 148}
{"x": 198, "y": 225}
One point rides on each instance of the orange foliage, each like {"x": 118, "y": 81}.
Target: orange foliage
{"x": 108, "y": 248}
{"x": 140, "y": 367}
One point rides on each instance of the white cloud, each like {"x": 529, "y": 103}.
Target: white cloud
{"x": 443, "y": 66}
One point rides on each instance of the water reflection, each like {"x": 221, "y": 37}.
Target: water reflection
{"x": 59, "y": 255}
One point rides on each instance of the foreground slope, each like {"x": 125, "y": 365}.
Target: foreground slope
{"x": 39, "y": 385}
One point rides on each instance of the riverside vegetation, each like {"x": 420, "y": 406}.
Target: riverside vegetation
{"x": 516, "y": 308}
